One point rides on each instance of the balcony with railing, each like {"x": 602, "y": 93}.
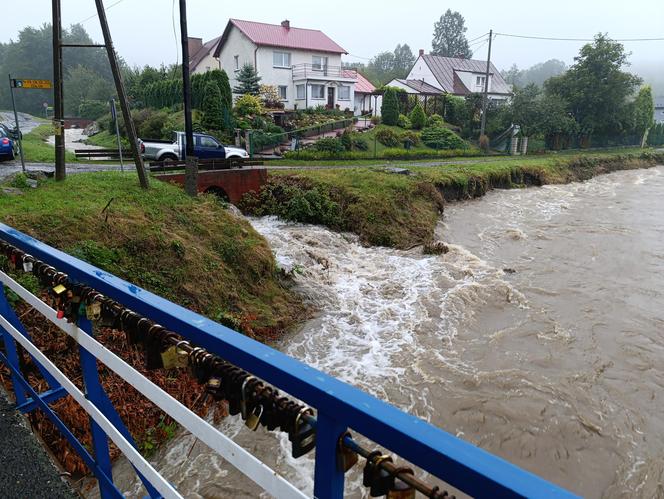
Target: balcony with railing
{"x": 323, "y": 72}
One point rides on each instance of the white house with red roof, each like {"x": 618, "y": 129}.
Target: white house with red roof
{"x": 304, "y": 64}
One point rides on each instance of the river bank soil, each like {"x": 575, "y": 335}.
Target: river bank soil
{"x": 401, "y": 210}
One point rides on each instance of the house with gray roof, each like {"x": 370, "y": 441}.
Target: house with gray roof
{"x": 434, "y": 74}
{"x": 659, "y": 109}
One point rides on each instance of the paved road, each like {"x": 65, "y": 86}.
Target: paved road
{"x": 25, "y": 121}
{"x": 26, "y": 471}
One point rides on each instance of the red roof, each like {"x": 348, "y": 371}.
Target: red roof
{"x": 275, "y": 35}
{"x": 362, "y": 85}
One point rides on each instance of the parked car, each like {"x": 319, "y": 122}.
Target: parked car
{"x": 205, "y": 147}
{"x": 7, "y": 146}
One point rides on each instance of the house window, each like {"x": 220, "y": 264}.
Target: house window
{"x": 236, "y": 61}
{"x": 344, "y": 92}
{"x": 479, "y": 81}
{"x": 317, "y": 91}
{"x": 281, "y": 59}
{"x": 283, "y": 89}
{"x": 319, "y": 62}
{"x": 207, "y": 68}
{"x": 300, "y": 91}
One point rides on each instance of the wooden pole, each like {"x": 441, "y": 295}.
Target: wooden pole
{"x": 122, "y": 96}
{"x": 58, "y": 106}
{"x": 486, "y": 86}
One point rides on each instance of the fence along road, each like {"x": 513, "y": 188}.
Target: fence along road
{"x": 339, "y": 405}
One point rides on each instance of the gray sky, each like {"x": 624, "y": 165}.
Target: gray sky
{"x": 143, "y": 29}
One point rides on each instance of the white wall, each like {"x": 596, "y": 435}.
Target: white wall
{"x": 370, "y": 102}
{"x": 470, "y": 79}
{"x": 421, "y": 71}
{"x": 277, "y": 76}
{"x": 208, "y": 63}
{"x": 397, "y": 84}
{"x": 240, "y": 45}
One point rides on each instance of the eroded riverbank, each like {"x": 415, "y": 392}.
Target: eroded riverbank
{"x": 401, "y": 211}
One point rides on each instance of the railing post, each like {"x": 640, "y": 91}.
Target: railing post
{"x": 96, "y": 394}
{"x": 10, "y": 349}
{"x": 328, "y": 479}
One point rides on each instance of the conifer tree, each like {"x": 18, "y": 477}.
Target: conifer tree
{"x": 417, "y": 117}
{"x": 390, "y": 108}
{"x": 248, "y": 81}
{"x": 213, "y": 118}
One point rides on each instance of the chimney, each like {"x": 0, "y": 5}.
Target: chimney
{"x": 195, "y": 44}
{"x": 421, "y": 52}
{"x": 285, "y": 24}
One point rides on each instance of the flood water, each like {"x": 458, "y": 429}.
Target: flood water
{"x": 539, "y": 336}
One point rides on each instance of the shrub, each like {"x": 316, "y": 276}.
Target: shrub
{"x": 347, "y": 140}
{"x": 411, "y": 136}
{"x": 442, "y": 138}
{"x": 247, "y": 105}
{"x": 404, "y": 121}
{"x": 390, "y": 108}
{"x": 329, "y": 145}
{"x": 270, "y": 96}
{"x": 360, "y": 144}
{"x": 375, "y": 120}
{"x": 149, "y": 123}
{"x": 387, "y": 137}
{"x": 92, "y": 109}
{"x": 271, "y": 136}
{"x": 435, "y": 120}
{"x": 418, "y": 118}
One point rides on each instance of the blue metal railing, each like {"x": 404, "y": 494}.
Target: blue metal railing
{"x": 339, "y": 406}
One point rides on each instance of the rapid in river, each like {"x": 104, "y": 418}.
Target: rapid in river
{"x": 539, "y": 336}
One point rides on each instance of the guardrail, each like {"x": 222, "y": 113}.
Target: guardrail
{"x": 222, "y": 360}
{"x": 102, "y": 153}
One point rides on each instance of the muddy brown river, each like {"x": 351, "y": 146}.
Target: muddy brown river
{"x": 539, "y": 336}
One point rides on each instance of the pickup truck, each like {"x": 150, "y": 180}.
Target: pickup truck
{"x": 205, "y": 147}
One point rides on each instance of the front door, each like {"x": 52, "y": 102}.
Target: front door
{"x": 330, "y": 97}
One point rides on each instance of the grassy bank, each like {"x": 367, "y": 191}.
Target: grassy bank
{"x": 401, "y": 211}
{"x": 106, "y": 140}
{"x": 37, "y": 150}
{"x": 191, "y": 251}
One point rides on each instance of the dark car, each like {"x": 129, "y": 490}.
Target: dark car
{"x": 6, "y": 143}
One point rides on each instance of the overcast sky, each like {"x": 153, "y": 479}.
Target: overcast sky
{"x": 143, "y": 29}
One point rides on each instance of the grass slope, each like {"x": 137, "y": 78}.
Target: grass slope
{"x": 191, "y": 251}
{"x": 37, "y": 150}
{"x": 402, "y": 210}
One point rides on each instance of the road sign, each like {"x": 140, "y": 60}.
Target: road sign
{"x": 31, "y": 83}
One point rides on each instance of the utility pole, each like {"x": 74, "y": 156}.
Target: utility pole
{"x": 486, "y": 85}
{"x": 122, "y": 95}
{"x": 58, "y": 105}
{"x": 191, "y": 163}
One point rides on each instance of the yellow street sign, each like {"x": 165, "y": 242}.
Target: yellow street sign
{"x": 31, "y": 83}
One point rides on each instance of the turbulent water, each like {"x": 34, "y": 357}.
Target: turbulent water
{"x": 539, "y": 336}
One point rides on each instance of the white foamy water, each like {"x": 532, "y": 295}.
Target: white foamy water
{"x": 552, "y": 363}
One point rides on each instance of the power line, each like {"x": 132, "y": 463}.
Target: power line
{"x": 95, "y": 15}
{"x": 558, "y": 39}
{"x": 478, "y": 37}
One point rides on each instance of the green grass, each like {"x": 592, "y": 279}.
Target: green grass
{"x": 106, "y": 140}
{"x": 36, "y": 150}
{"x": 402, "y": 210}
{"x": 191, "y": 251}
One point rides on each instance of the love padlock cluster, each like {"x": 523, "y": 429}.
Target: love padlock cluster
{"x": 254, "y": 400}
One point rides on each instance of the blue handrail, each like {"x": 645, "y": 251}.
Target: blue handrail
{"x": 338, "y": 404}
